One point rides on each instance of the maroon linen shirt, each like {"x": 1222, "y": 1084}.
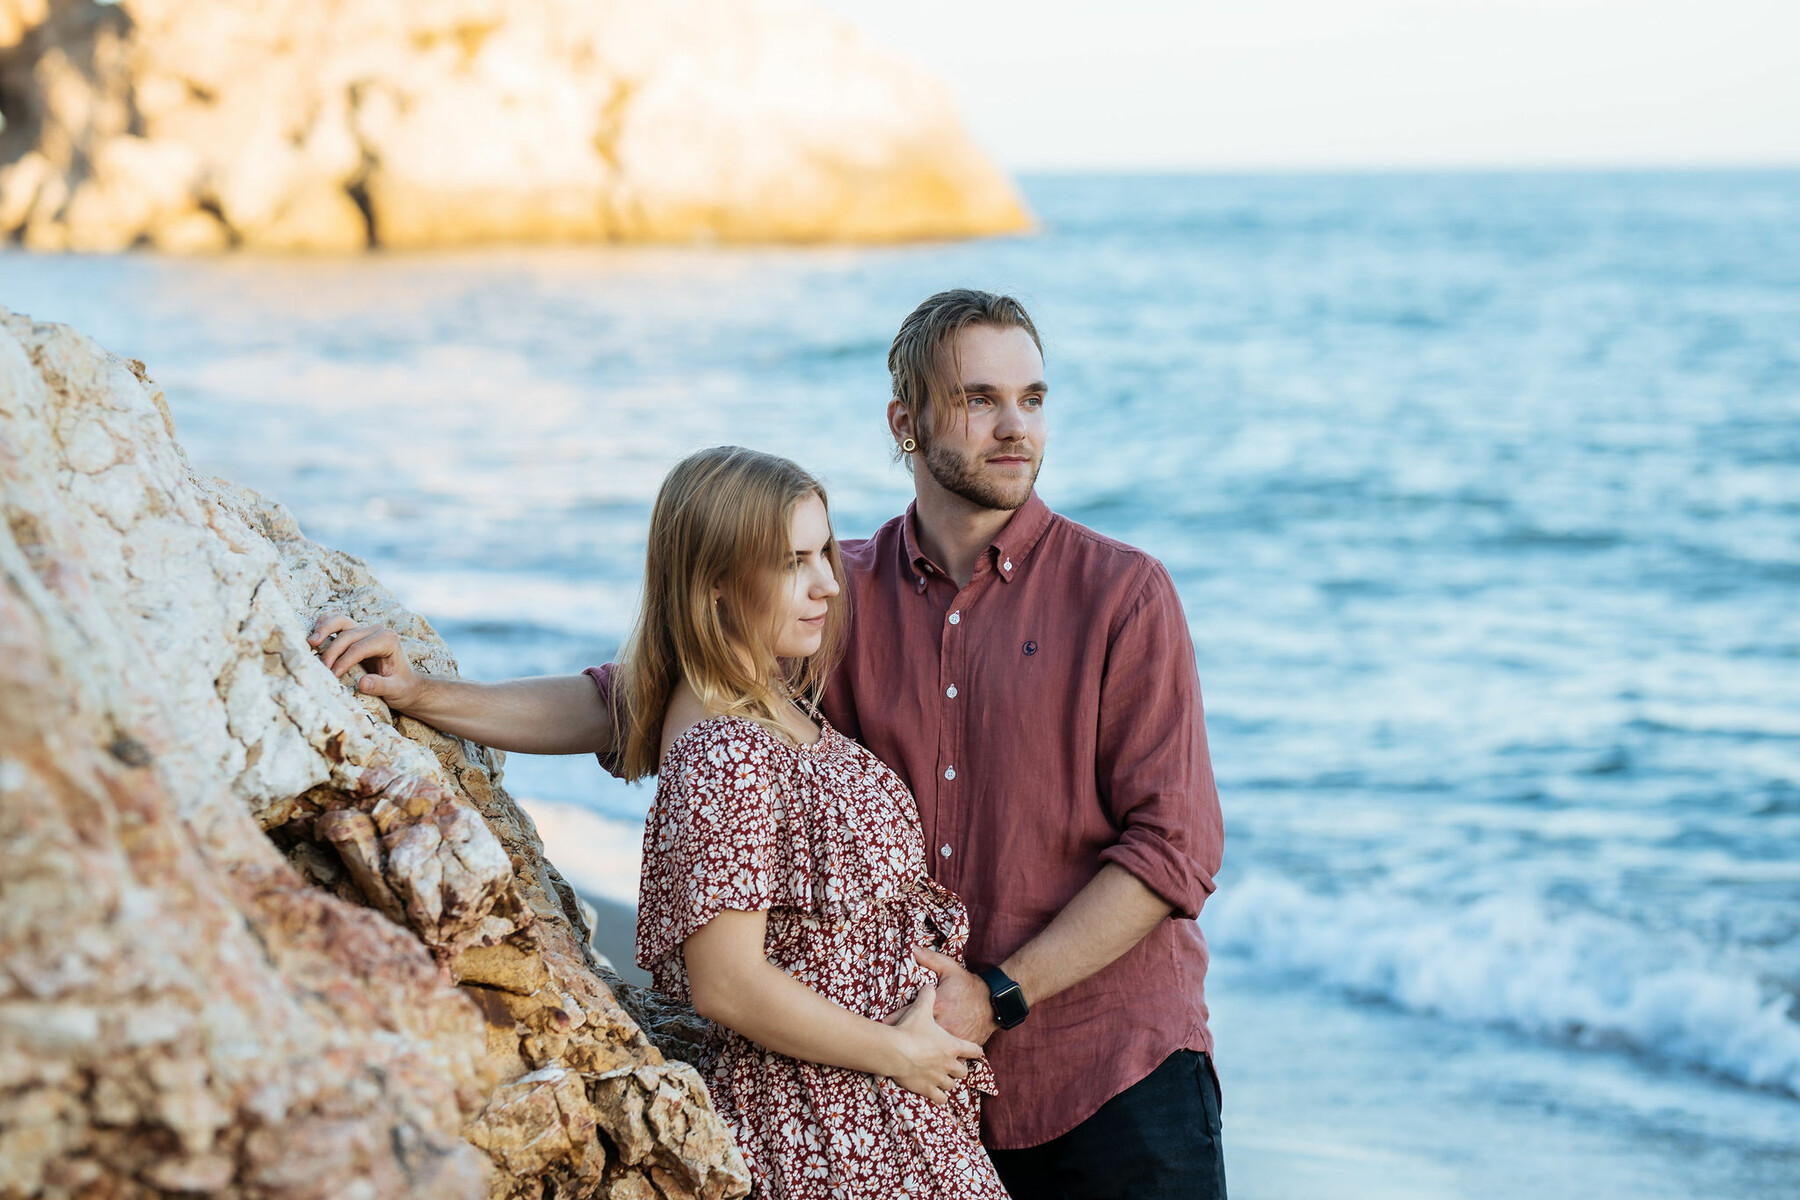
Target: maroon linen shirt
{"x": 1048, "y": 720}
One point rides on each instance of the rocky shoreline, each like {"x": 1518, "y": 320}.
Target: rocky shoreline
{"x": 261, "y": 936}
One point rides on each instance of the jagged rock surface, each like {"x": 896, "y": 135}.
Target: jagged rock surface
{"x": 192, "y": 125}
{"x": 258, "y": 936}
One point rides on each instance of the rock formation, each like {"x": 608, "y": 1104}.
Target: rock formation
{"x": 259, "y": 937}
{"x": 193, "y": 125}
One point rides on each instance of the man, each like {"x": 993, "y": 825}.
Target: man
{"x": 1034, "y": 684}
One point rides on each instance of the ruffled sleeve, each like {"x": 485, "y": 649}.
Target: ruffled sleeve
{"x": 718, "y": 837}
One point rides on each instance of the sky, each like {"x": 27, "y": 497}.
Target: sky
{"x": 1344, "y": 84}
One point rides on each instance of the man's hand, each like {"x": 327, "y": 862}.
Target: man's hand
{"x": 342, "y": 643}
{"x": 963, "y": 1005}
{"x": 556, "y": 714}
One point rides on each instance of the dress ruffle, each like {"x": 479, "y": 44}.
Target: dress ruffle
{"x": 719, "y": 837}
{"x": 742, "y": 822}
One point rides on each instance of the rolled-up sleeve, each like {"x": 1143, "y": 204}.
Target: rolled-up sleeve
{"x": 612, "y": 760}
{"x": 1154, "y": 771}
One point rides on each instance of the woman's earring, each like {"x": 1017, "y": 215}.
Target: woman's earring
{"x": 908, "y": 446}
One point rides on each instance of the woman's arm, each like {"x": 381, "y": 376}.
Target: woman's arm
{"x": 732, "y": 983}
{"x": 560, "y": 714}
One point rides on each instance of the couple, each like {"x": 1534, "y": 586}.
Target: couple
{"x": 984, "y": 704}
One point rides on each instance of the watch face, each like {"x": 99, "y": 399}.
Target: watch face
{"x": 1009, "y": 1006}
{"x": 1007, "y": 997}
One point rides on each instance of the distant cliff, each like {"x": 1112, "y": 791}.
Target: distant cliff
{"x": 197, "y": 125}
{"x": 259, "y": 936}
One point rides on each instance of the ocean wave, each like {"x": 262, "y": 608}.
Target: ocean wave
{"x": 1513, "y": 961}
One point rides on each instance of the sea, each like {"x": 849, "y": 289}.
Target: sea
{"x": 1482, "y": 493}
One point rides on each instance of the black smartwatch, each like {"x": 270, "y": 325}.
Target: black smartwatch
{"x": 1007, "y": 997}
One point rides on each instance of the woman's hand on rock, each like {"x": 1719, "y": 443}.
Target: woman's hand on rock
{"x": 342, "y": 644}
{"x": 932, "y": 1060}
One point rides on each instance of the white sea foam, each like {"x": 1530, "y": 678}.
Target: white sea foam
{"x": 1511, "y": 960}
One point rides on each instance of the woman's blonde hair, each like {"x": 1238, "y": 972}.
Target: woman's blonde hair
{"x": 722, "y": 519}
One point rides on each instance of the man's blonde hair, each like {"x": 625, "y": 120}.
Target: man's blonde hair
{"x": 722, "y": 519}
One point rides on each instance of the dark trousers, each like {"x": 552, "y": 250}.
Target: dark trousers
{"x": 1156, "y": 1140}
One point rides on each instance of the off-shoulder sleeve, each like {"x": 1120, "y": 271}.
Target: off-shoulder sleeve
{"x": 718, "y": 837}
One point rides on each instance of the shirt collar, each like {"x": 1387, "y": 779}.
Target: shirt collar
{"x": 1021, "y": 536}
{"x": 1009, "y": 549}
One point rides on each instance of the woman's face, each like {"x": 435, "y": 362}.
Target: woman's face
{"x": 806, "y": 583}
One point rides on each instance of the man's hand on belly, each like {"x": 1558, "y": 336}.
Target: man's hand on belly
{"x": 963, "y": 1006}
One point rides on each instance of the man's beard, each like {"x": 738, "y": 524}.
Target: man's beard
{"x": 957, "y": 474}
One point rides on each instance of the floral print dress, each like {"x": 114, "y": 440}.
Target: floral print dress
{"x": 827, "y": 839}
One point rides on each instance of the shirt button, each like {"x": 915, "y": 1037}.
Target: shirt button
{"x": 921, "y": 581}
{"x": 949, "y": 772}
{"x": 944, "y": 850}
{"x": 956, "y": 618}
{"x": 1007, "y": 565}
{"x": 950, "y": 691}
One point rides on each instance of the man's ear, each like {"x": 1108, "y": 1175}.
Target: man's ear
{"x": 900, "y": 422}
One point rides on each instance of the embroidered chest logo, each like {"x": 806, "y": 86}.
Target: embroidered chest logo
{"x": 1030, "y": 648}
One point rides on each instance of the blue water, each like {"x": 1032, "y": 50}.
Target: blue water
{"x": 1483, "y": 496}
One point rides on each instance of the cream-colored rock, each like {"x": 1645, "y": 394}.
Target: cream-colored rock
{"x": 261, "y": 937}
{"x": 135, "y": 186}
{"x": 539, "y": 1121}
{"x": 190, "y": 233}
{"x": 315, "y": 215}
{"x": 327, "y": 125}
{"x": 19, "y": 16}
{"x": 19, "y": 186}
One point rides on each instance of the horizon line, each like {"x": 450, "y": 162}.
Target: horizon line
{"x": 1722, "y": 167}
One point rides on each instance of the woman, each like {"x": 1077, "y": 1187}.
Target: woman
{"x": 784, "y": 882}
{"x": 784, "y": 879}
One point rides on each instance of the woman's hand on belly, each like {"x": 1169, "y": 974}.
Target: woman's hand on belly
{"x": 935, "y": 1058}
{"x": 732, "y": 983}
